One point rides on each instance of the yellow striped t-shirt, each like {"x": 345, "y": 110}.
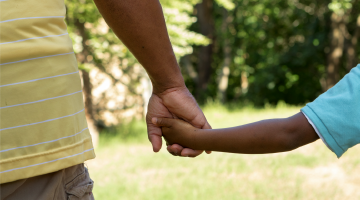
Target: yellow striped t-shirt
{"x": 42, "y": 121}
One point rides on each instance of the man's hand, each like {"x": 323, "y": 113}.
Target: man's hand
{"x": 174, "y": 103}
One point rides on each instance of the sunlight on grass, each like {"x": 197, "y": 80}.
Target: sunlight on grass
{"x": 126, "y": 167}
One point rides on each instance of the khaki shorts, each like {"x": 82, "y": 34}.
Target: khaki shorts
{"x": 72, "y": 183}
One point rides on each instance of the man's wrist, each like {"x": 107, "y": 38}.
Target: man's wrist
{"x": 164, "y": 89}
{"x": 166, "y": 77}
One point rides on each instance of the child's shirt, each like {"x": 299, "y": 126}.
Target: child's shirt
{"x": 335, "y": 115}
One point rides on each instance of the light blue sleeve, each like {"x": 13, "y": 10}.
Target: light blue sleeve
{"x": 336, "y": 113}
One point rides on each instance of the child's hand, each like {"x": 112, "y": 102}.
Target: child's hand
{"x": 176, "y": 131}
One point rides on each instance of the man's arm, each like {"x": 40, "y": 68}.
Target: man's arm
{"x": 140, "y": 25}
{"x": 268, "y": 136}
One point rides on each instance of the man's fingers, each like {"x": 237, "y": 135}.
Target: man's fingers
{"x": 154, "y": 135}
{"x": 156, "y": 142}
{"x": 161, "y": 121}
{"x": 206, "y": 126}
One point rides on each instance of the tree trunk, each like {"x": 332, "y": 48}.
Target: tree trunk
{"x": 190, "y": 68}
{"x": 204, "y": 14}
{"x": 223, "y": 78}
{"x": 337, "y": 37}
{"x": 244, "y": 82}
{"x": 89, "y": 112}
{"x": 352, "y": 59}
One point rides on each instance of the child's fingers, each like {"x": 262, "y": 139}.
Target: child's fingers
{"x": 186, "y": 152}
{"x": 162, "y": 121}
{"x": 175, "y": 149}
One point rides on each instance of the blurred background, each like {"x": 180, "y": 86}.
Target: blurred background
{"x": 244, "y": 61}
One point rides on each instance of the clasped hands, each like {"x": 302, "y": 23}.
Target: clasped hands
{"x": 175, "y": 103}
{"x": 177, "y": 131}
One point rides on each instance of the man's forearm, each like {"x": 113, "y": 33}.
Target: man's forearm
{"x": 141, "y": 26}
{"x": 268, "y": 136}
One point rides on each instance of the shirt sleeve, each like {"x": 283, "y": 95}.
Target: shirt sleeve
{"x": 335, "y": 115}
{"x": 316, "y": 130}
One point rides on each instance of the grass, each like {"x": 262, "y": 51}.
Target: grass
{"x": 126, "y": 167}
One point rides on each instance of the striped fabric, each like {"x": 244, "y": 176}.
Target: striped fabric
{"x": 42, "y": 121}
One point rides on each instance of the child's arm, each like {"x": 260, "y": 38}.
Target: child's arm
{"x": 268, "y": 136}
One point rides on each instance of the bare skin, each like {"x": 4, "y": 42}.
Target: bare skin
{"x": 268, "y": 136}
{"x": 140, "y": 25}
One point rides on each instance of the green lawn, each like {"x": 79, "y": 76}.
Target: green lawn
{"x": 126, "y": 167}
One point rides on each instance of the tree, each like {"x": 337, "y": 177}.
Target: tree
{"x": 344, "y": 13}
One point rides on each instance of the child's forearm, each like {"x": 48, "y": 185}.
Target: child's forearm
{"x": 268, "y": 136}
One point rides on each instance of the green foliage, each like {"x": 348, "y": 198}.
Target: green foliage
{"x": 84, "y": 10}
{"x": 280, "y": 46}
{"x": 227, "y": 4}
{"x": 102, "y": 40}
{"x": 340, "y": 6}
{"x": 178, "y": 20}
